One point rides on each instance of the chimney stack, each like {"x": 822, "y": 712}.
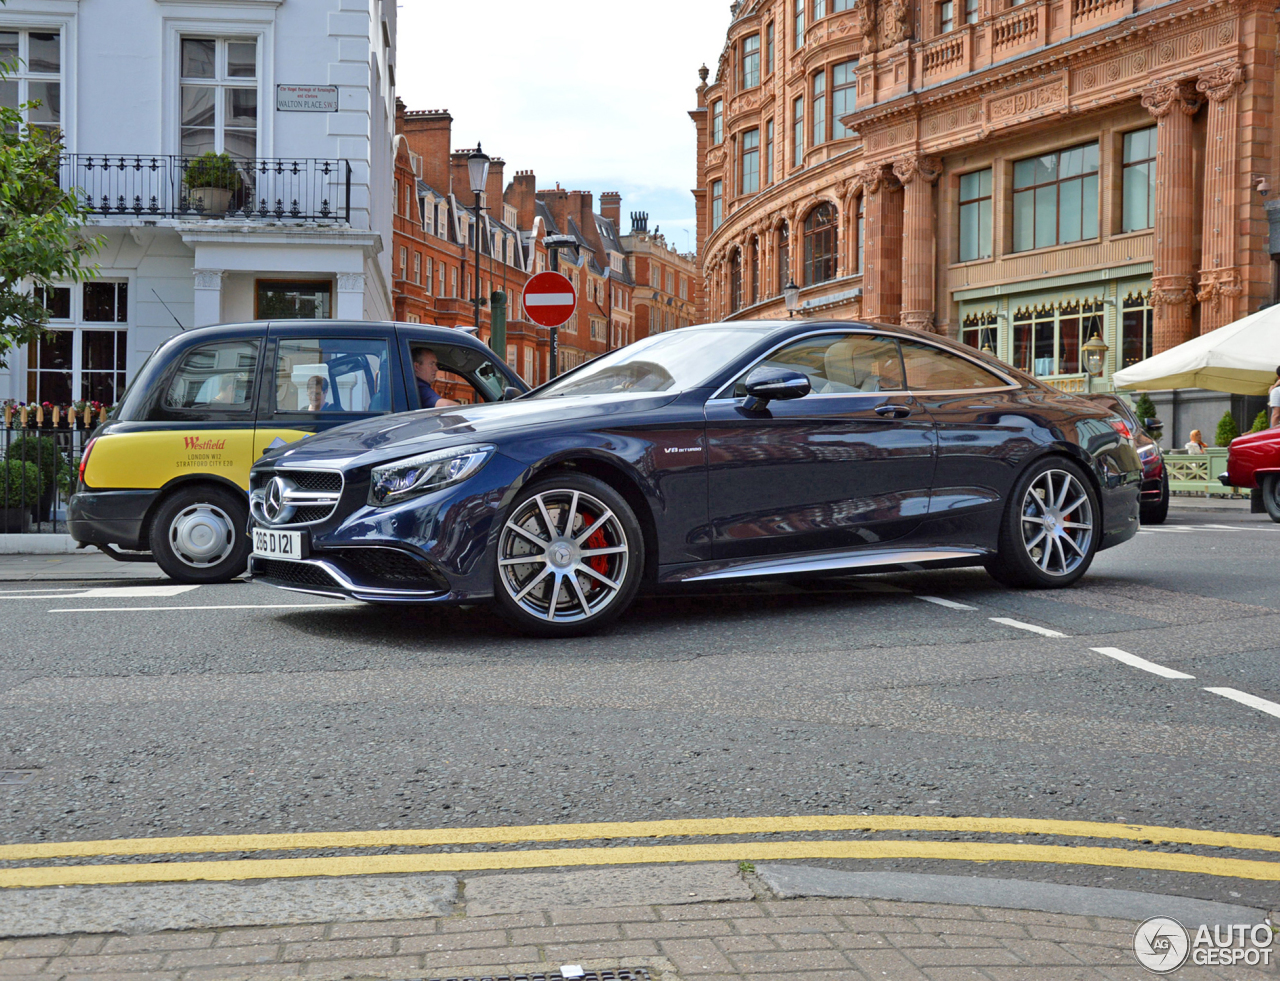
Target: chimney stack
{"x": 493, "y": 188}
{"x": 522, "y": 194}
{"x": 427, "y": 133}
{"x": 611, "y": 208}
{"x": 639, "y": 223}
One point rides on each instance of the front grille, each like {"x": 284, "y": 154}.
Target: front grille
{"x": 294, "y": 573}
{"x": 312, "y": 512}
{"x": 388, "y": 568}
{"x": 315, "y": 480}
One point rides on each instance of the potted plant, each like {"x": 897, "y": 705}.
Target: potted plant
{"x": 211, "y": 180}
{"x": 19, "y": 487}
{"x": 45, "y": 458}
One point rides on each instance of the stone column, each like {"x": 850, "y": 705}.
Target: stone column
{"x": 350, "y": 300}
{"x": 208, "y": 296}
{"x": 1220, "y": 280}
{"x": 1174, "y": 260}
{"x": 918, "y": 175}
{"x": 882, "y": 281}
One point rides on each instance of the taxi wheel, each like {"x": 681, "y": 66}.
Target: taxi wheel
{"x": 198, "y": 535}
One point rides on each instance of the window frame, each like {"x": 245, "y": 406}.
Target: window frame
{"x": 77, "y": 324}
{"x": 829, "y": 229}
{"x": 161, "y": 410}
{"x": 717, "y": 122}
{"x": 1033, "y": 190}
{"x": 962, "y": 203}
{"x": 797, "y": 131}
{"x": 839, "y": 97}
{"x": 271, "y": 392}
{"x": 750, "y": 76}
{"x": 768, "y": 49}
{"x": 798, "y": 25}
{"x": 717, "y": 204}
{"x": 222, "y": 83}
{"x": 1126, "y": 166}
{"x": 22, "y": 77}
{"x": 747, "y": 153}
{"x": 767, "y": 153}
{"x": 258, "y": 284}
{"x": 818, "y": 115}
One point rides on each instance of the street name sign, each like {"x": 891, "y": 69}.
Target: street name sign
{"x": 549, "y": 299}
{"x": 307, "y": 98}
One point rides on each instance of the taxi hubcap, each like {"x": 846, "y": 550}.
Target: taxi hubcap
{"x": 202, "y": 535}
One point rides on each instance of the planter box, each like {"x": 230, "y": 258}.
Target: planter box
{"x": 210, "y": 200}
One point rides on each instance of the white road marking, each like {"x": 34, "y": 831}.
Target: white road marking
{"x": 1043, "y": 631}
{"x": 136, "y": 592}
{"x": 949, "y": 604}
{"x": 1244, "y": 698}
{"x": 1140, "y": 662}
{"x": 1175, "y": 530}
{"x": 152, "y": 609}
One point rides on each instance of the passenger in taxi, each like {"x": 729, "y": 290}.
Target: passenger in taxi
{"x": 318, "y": 394}
{"x": 425, "y": 367}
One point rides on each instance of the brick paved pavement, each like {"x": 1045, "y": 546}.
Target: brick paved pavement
{"x": 759, "y": 940}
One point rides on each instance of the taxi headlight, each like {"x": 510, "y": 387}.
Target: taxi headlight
{"x": 399, "y": 480}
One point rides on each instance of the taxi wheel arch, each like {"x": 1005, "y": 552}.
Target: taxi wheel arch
{"x": 197, "y": 531}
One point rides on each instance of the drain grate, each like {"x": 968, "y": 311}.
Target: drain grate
{"x": 621, "y": 974}
{"x": 15, "y": 778}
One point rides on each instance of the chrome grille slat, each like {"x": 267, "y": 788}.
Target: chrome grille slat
{"x": 313, "y": 496}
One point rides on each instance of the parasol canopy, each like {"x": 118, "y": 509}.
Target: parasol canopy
{"x": 1240, "y": 358}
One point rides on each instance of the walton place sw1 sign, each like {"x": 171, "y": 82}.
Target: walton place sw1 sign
{"x": 307, "y": 98}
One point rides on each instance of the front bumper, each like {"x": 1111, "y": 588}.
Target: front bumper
{"x": 403, "y": 579}
{"x": 114, "y": 517}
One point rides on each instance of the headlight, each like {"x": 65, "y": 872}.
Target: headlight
{"x": 393, "y": 482}
{"x": 1148, "y": 452}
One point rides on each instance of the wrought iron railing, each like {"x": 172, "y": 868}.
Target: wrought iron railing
{"x": 40, "y": 450}
{"x": 156, "y": 186}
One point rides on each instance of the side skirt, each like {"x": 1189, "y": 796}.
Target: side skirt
{"x": 818, "y": 562}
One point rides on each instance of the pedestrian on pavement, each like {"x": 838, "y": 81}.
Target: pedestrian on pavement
{"x": 1273, "y": 400}
{"x": 425, "y": 367}
{"x": 1196, "y": 443}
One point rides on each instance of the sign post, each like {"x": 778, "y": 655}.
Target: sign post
{"x": 549, "y": 301}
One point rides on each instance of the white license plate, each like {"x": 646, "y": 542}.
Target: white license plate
{"x": 277, "y": 544}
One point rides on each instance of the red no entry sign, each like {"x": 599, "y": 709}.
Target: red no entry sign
{"x": 549, "y": 299}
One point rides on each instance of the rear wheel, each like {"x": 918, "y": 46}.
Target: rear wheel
{"x": 1049, "y": 533}
{"x": 570, "y": 557}
{"x": 1154, "y": 512}
{"x": 198, "y": 535}
{"x": 1270, "y": 485}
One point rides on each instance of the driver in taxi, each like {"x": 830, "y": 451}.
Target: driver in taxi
{"x": 425, "y": 367}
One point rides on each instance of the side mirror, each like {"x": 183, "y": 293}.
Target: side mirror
{"x": 509, "y": 393}
{"x": 764, "y": 384}
{"x": 1152, "y": 424}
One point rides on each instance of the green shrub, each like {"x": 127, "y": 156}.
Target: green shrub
{"x": 1227, "y": 430}
{"x": 1260, "y": 422}
{"x": 13, "y": 475}
{"x": 213, "y": 170}
{"x": 1144, "y": 408}
{"x": 39, "y": 451}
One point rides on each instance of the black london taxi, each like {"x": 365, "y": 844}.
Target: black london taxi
{"x": 166, "y": 478}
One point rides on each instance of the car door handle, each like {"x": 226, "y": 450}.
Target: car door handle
{"x": 897, "y": 411}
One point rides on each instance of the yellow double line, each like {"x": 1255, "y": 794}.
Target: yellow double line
{"x": 629, "y": 855}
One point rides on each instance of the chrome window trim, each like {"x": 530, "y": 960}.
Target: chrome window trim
{"x": 1009, "y": 385}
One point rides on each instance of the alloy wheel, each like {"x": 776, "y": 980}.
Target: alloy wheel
{"x": 1057, "y": 523}
{"x": 202, "y": 535}
{"x": 563, "y": 556}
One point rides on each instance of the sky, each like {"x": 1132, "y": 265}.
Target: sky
{"x": 593, "y": 94}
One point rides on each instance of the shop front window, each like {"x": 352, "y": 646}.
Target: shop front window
{"x": 981, "y": 330}
{"x": 1047, "y": 338}
{"x": 1135, "y": 329}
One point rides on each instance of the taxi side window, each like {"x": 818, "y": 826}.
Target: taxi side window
{"x": 215, "y": 377}
{"x": 930, "y": 369}
{"x": 332, "y": 374}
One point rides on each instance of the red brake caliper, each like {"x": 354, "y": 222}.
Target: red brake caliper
{"x": 597, "y": 540}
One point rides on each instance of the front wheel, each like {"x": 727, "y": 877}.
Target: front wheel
{"x": 570, "y": 557}
{"x": 198, "y": 535}
{"x": 1049, "y": 532}
{"x": 1270, "y": 485}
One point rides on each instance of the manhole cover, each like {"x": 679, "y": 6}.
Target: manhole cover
{"x": 621, "y": 974}
{"x": 14, "y": 778}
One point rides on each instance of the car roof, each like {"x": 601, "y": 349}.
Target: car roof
{"x": 444, "y": 334}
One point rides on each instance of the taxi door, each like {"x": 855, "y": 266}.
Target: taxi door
{"x": 320, "y": 376}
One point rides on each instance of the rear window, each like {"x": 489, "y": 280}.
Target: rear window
{"x": 215, "y": 377}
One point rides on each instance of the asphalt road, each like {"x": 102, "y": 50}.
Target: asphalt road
{"x": 147, "y": 710}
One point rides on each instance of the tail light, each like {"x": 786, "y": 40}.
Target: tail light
{"x": 1122, "y": 427}
{"x": 84, "y": 460}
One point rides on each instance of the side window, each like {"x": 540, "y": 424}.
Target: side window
{"x": 215, "y": 377}
{"x": 332, "y": 374}
{"x": 840, "y": 364}
{"x": 931, "y": 369}
{"x": 459, "y": 374}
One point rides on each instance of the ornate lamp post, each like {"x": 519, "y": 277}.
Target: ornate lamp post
{"x": 1094, "y": 351}
{"x": 478, "y": 174}
{"x": 791, "y": 297}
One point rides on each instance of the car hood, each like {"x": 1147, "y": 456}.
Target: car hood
{"x": 371, "y": 441}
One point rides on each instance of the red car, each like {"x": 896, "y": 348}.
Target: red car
{"x": 1253, "y": 460}
{"x": 1153, "y": 503}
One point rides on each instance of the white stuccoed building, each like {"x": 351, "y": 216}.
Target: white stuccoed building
{"x": 300, "y": 93}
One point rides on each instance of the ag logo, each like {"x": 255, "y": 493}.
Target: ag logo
{"x": 1161, "y": 944}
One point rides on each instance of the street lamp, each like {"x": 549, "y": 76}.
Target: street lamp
{"x": 1095, "y": 354}
{"x": 791, "y": 297}
{"x": 478, "y": 173}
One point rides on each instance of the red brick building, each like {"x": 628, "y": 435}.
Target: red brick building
{"x": 433, "y": 256}
{"x": 666, "y": 281}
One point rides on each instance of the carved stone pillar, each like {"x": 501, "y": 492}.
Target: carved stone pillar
{"x": 882, "y": 281}
{"x": 1174, "y": 260}
{"x": 1220, "y": 281}
{"x": 918, "y": 175}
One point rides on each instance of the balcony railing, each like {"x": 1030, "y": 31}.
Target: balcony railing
{"x": 155, "y": 186}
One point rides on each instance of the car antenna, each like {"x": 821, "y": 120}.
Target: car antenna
{"x": 171, "y": 313}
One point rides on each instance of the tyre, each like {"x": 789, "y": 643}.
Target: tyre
{"x": 1155, "y": 512}
{"x": 1050, "y": 529}
{"x": 1270, "y": 485}
{"x": 570, "y": 557}
{"x": 198, "y": 535}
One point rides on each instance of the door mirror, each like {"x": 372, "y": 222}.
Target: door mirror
{"x": 1152, "y": 424}
{"x": 509, "y": 393}
{"x": 765, "y": 383}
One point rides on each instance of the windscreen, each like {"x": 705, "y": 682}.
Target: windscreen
{"x": 673, "y": 362}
